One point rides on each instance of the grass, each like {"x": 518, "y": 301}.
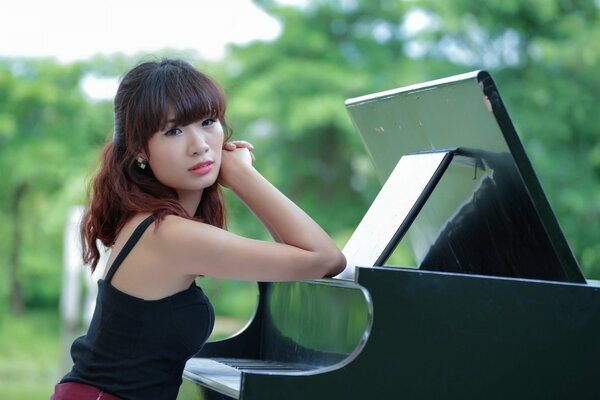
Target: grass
{"x": 29, "y": 355}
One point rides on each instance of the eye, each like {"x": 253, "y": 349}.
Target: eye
{"x": 173, "y": 132}
{"x": 209, "y": 122}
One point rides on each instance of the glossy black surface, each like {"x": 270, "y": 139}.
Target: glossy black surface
{"x": 488, "y": 214}
{"x": 439, "y": 335}
{"x": 300, "y": 328}
{"x": 315, "y": 324}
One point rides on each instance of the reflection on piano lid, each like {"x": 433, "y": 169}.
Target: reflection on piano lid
{"x": 488, "y": 214}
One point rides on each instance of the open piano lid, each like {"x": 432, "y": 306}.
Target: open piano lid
{"x": 487, "y": 214}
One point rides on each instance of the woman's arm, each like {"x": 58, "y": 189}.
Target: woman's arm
{"x": 243, "y": 144}
{"x": 305, "y": 251}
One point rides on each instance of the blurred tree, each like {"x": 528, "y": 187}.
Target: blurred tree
{"x": 46, "y": 130}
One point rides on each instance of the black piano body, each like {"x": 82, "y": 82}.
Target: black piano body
{"x": 496, "y": 309}
{"x": 434, "y": 335}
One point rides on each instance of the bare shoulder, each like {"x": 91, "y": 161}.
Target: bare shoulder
{"x": 173, "y": 230}
{"x": 148, "y": 270}
{"x": 186, "y": 242}
{"x": 173, "y": 223}
{"x": 161, "y": 238}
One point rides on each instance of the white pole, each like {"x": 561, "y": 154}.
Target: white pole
{"x": 75, "y": 310}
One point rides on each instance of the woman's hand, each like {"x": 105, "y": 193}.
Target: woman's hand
{"x": 236, "y": 157}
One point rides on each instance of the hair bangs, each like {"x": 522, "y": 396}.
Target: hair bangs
{"x": 194, "y": 100}
{"x": 175, "y": 94}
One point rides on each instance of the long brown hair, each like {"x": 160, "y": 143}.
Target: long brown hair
{"x": 147, "y": 95}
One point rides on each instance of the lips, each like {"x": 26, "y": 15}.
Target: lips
{"x": 202, "y": 168}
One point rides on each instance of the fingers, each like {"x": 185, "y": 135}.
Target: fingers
{"x": 229, "y": 146}
{"x": 239, "y": 144}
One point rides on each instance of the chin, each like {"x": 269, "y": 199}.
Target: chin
{"x": 206, "y": 184}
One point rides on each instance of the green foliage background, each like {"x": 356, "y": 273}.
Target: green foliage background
{"x": 286, "y": 96}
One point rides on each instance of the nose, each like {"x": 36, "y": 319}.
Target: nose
{"x": 197, "y": 144}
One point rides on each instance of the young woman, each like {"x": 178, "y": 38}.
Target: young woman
{"x": 157, "y": 202}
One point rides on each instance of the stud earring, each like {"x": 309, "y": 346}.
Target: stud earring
{"x": 141, "y": 163}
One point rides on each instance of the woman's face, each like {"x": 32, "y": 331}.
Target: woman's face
{"x": 187, "y": 158}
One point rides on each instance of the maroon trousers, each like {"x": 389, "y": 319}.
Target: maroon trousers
{"x": 79, "y": 391}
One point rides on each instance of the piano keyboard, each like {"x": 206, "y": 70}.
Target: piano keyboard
{"x": 225, "y": 374}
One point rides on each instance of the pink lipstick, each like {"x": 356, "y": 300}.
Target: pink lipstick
{"x": 202, "y": 168}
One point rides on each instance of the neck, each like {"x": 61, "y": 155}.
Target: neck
{"x": 190, "y": 200}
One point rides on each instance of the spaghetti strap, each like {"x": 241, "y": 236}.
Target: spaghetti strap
{"x": 135, "y": 236}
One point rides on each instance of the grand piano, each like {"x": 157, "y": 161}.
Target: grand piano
{"x": 492, "y": 303}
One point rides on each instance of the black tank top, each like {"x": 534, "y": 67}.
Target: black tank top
{"x": 135, "y": 348}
